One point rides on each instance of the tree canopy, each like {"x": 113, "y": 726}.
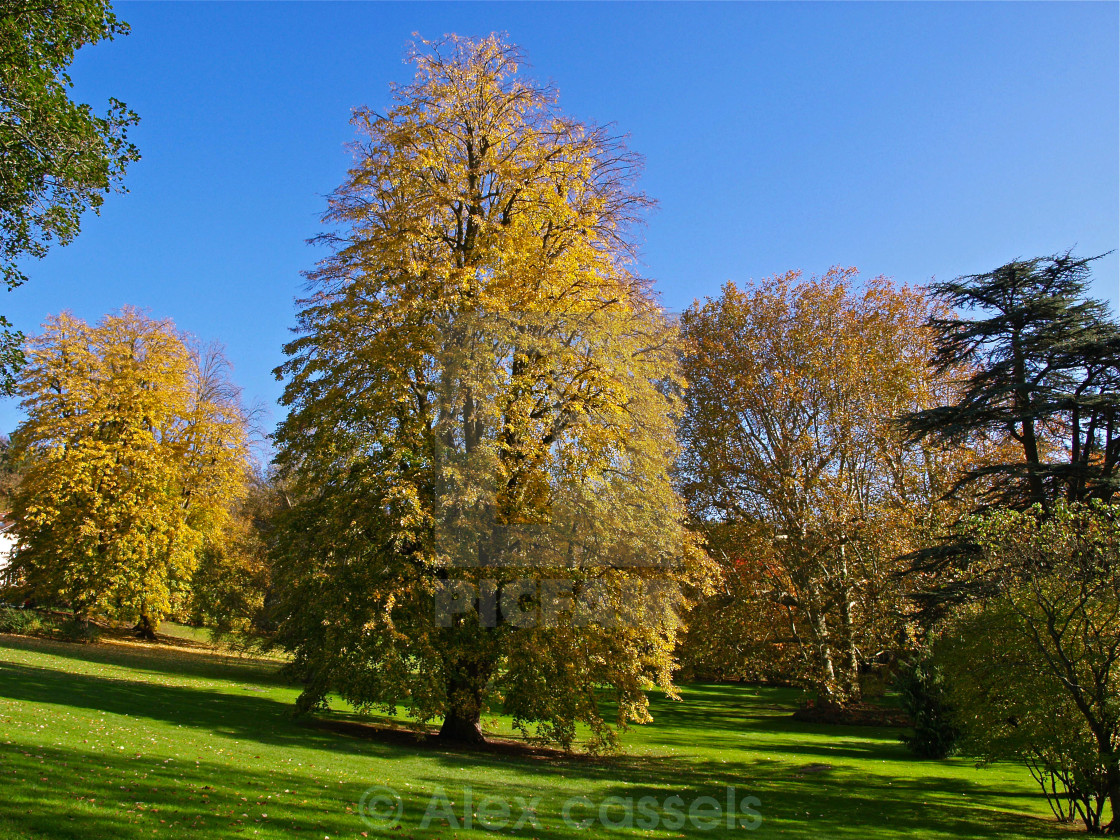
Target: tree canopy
{"x": 57, "y": 157}
{"x": 1044, "y": 366}
{"x": 481, "y": 418}
{"x": 135, "y": 444}
{"x": 796, "y": 474}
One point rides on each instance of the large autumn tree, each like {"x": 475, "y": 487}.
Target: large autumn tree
{"x": 135, "y": 444}
{"x": 480, "y": 428}
{"x": 799, "y": 478}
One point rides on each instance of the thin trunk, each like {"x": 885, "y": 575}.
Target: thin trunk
{"x": 828, "y": 670}
{"x": 1029, "y": 439}
{"x": 852, "y": 652}
{"x": 847, "y": 621}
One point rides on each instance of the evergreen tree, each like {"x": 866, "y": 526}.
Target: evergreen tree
{"x": 1045, "y": 364}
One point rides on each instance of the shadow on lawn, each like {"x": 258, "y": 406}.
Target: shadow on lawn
{"x": 64, "y": 793}
{"x": 806, "y": 801}
{"x": 156, "y": 658}
{"x": 836, "y": 802}
{"x": 796, "y": 804}
{"x": 251, "y": 718}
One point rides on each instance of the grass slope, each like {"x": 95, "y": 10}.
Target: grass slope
{"x": 124, "y": 741}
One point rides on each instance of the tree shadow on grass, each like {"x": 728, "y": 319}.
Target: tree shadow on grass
{"x": 249, "y": 717}
{"x": 67, "y": 794}
{"x": 806, "y": 800}
{"x": 797, "y": 804}
{"x": 838, "y": 802}
{"x": 157, "y": 659}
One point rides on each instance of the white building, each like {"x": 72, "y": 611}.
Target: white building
{"x": 7, "y": 544}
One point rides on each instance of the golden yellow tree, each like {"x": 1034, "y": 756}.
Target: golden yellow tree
{"x": 138, "y": 447}
{"x": 796, "y": 467}
{"x": 481, "y": 424}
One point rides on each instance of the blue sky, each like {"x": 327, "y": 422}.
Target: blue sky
{"x": 908, "y": 139}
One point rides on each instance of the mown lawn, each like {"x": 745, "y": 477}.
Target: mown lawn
{"x": 123, "y": 741}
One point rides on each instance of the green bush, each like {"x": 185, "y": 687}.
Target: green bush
{"x": 73, "y": 630}
{"x": 20, "y": 622}
{"x": 1033, "y": 669}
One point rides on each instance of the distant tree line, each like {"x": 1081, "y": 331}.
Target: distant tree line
{"x": 918, "y": 486}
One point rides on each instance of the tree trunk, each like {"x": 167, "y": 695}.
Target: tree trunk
{"x": 1028, "y": 434}
{"x": 466, "y": 682}
{"x": 827, "y": 676}
{"x": 1112, "y": 776}
{"x": 463, "y": 725}
{"x": 851, "y": 663}
{"x": 146, "y": 627}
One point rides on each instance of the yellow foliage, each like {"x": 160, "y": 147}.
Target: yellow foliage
{"x": 797, "y": 467}
{"x": 136, "y": 445}
{"x": 482, "y": 390}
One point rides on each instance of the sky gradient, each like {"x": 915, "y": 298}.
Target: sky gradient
{"x": 913, "y": 140}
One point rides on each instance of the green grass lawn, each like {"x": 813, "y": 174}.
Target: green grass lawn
{"x": 121, "y": 741}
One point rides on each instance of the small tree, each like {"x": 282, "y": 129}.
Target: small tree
{"x": 921, "y": 687}
{"x": 138, "y": 446}
{"x": 233, "y": 583}
{"x": 1034, "y": 671}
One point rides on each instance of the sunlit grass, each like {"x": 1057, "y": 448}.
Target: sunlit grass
{"x": 127, "y": 741}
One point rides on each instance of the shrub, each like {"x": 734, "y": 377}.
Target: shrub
{"x": 19, "y": 621}
{"x": 921, "y": 686}
{"x": 1033, "y": 670}
{"x": 81, "y": 632}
